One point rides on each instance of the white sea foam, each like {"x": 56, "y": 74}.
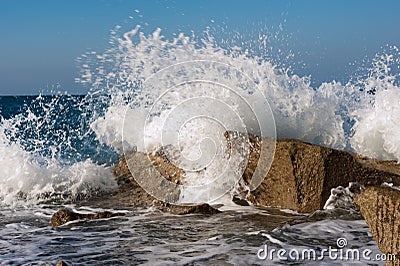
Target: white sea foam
{"x": 342, "y": 197}
{"x": 293, "y": 101}
{"x": 28, "y": 178}
{"x": 376, "y": 131}
{"x": 318, "y": 115}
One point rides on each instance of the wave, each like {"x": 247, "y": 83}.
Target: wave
{"x": 360, "y": 115}
{"x": 42, "y": 154}
{"x": 43, "y": 157}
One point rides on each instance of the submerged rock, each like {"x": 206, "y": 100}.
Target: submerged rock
{"x": 181, "y": 210}
{"x": 64, "y": 216}
{"x": 380, "y": 207}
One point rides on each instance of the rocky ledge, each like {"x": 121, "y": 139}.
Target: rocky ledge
{"x": 380, "y": 206}
{"x": 302, "y": 175}
{"x": 130, "y": 194}
{"x": 300, "y": 178}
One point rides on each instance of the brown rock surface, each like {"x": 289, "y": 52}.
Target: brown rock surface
{"x": 64, "y": 216}
{"x": 300, "y": 178}
{"x": 380, "y": 207}
{"x": 131, "y": 194}
{"x": 181, "y": 210}
{"x": 302, "y": 175}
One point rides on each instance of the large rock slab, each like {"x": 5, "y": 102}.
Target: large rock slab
{"x": 380, "y": 207}
{"x": 131, "y": 194}
{"x": 146, "y": 167}
{"x": 302, "y": 174}
{"x": 300, "y": 178}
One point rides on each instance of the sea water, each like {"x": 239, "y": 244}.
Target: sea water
{"x": 59, "y": 150}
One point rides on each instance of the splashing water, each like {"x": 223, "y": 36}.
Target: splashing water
{"x": 61, "y": 147}
{"x": 45, "y": 153}
{"x": 296, "y": 105}
{"x": 359, "y": 115}
{"x": 375, "y": 131}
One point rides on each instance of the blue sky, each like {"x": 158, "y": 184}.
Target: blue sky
{"x": 41, "y": 39}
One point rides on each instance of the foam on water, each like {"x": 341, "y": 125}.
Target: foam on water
{"x": 153, "y": 238}
{"x": 23, "y": 179}
{"x": 38, "y": 160}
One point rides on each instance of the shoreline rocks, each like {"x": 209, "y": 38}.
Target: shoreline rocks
{"x": 301, "y": 178}
{"x": 302, "y": 175}
{"x": 380, "y": 207}
{"x": 131, "y": 194}
{"x": 64, "y": 216}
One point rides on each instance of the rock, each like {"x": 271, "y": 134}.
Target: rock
{"x": 380, "y": 207}
{"x": 240, "y": 201}
{"x": 62, "y": 263}
{"x": 300, "y": 178}
{"x": 146, "y": 168}
{"x": 133, "y": 195}
{"x": 64, "y": 216}
{"x": 302, "y": 175}
{"x": 181, "y": 210}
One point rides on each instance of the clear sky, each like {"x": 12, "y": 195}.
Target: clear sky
{"x": 41, "y": 39}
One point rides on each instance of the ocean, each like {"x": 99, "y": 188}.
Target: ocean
{"x": 59, "y": 150}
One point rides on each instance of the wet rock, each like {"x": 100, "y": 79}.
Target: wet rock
{"x": 131, "y": 194}
{"x": 300, "y": 178}
{"x": 64, "y": 216}
{"x": 302, "y": 175}
{"x": 181, "y": 210}
{"x": 146, "y": 168}
{"x": 380, "y": 207}
{"x": 240, "y": 201}
{"x": 62, "y": 263}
